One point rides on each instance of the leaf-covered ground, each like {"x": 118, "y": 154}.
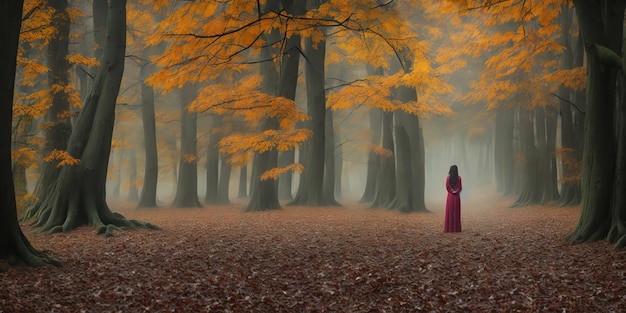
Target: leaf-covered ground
{"x": 341, "y": 259}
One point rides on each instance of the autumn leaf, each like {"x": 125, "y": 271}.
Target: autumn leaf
{"x": 275, "y": 172}
{"x": 63, "y": 158}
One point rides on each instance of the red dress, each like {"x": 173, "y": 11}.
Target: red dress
{"x": 452, "y": 222}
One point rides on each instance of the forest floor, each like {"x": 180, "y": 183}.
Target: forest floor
{"x": 338, "y": 259}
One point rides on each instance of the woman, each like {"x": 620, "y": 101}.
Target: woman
{"x": 454, "y": 186}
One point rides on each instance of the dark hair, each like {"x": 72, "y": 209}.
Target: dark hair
{"x": 454, "y": 176}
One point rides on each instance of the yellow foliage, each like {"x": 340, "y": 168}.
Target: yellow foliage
{"x": 25, "y": 157}
{"x": 80, "y": 59}
{"x": 282, "y": 140}
{"x": 275, "y": 172}
{"x": 380, "y": 151}
{"x": 63, "y": 157}
{"x": 189, "y": 158}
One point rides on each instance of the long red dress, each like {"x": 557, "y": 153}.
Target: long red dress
{"x": 452, "y": 222}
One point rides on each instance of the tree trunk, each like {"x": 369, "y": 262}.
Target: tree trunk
{"x": 410, "y": 161}
{"x": 79, "y": 196}
{"x": 328, "y": 186}
{"x": 264, "y": 195}
{"x": 373, "y": 159}
{"x": 187, "y": 186}
{"x": 617, "y": 233}
{"x": 386, "y": 176}
{"x": 243, "y": 182}
{"x": 117, "y": 190}
{"x": 550, "y": 190}
{"x": 148, "y": 197}
{"x": 133, "y": 193}
{"x": 310, "y": 190}
{"x": 338, "y": 157}
{"x": 532, "y": 185}
{"x": 570, "y": 187}
{"x": 212, "y": 170}
{"x": 503, "y": 150}
{"x": 59, "y": 131}
{"x": 14, "y": 247}
{"x": 224, "y": 182}
{"x": 598, "y": 172}
{"x": 100, "y": 16}
{"x": 285, "y": 181}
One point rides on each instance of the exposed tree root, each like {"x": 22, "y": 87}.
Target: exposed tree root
{"x": 19, "y": 251}
{"x": 586, "y": 233}
{"x": 617, "y": 234}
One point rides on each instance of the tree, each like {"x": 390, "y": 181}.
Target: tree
{"x": 14, "y": 247}
{"x": 311, "y": 191}
{"x": 151, "y": 167}
{"x": 569, "y": 105}
{"x": 212, "y": 162}
{"x": 373, "y": 159}
{"x": 78, "y": 196}
{"x": 58, "y": 115}
{"x": 602, "y": 212}
{"x": 187, "y": 187}
{"x": 264, "y": 195}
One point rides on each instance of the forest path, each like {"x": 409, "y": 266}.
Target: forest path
{"x": 336, "y": 259}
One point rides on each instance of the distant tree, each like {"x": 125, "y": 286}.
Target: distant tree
{"x": 151, "y": 167}
{"x": 373, "y": 159}
{"x": 213, "y": 161}
{"x": 187, "y": 187}
{"x": 570, "y": 102}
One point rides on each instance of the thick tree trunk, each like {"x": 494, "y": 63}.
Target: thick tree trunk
{"x": 532, "y": 184}
{"x": 264, "y": 193}
{"x": 598, "y": 172}
{"x": 14, "y": 247}
{"x": 58, "y": 77}
{"x": 410, "y": 161}
{"x": 78, "y": 197}
{"x": 148, "y": 197}
{"x": 285, "y": 181}
{"x": 310, "y": 190}
{"x": 187, "y": 186}
{"x": 617, "y": 233}
{"x": 386, "y": 176}
{"x": 373, "y": 159}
